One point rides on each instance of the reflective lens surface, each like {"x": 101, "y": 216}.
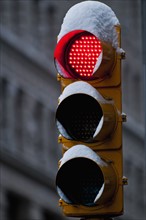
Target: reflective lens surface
{"x": 79, "y": 181}
{"x": 82, "y": 55}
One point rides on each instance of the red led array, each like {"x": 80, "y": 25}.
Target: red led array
{"x": 83, "y": 54}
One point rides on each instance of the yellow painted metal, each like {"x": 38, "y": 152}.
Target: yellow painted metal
{"x": 108, "y": 148}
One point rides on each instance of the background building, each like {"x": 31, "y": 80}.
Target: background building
{"x": 29, "y": 151}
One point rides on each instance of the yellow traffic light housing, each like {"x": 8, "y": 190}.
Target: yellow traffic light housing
{"x": 89, "y": 119}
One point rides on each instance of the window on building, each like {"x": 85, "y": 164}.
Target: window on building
{"x": 14, "y": 203}
{"x": 3, "y": 106}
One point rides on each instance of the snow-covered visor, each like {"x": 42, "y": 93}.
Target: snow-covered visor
{"x": 84, "y": 178}
{"x": 83, "y": 114}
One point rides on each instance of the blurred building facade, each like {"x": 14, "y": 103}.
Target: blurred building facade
{"x": 29, "y": 91}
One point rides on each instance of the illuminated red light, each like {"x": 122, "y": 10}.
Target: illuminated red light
{"x": 78, "y": 54}
{"x": 84, "y": 50}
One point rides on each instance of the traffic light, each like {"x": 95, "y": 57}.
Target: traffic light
{"x": 89, "y": 113}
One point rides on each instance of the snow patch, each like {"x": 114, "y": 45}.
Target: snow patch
{"x": 95, "y": 17}
{"x": 62, "y": 195}
{"x": 98, "y": 127}
{"x": 98, "y": 62}
{"x": 81, "y": 87}
{"x": 82, "y": 151}
{"x": 120, "y": 50}
{"x": 63, "y": 131}
{"x": 99, "y": 194}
